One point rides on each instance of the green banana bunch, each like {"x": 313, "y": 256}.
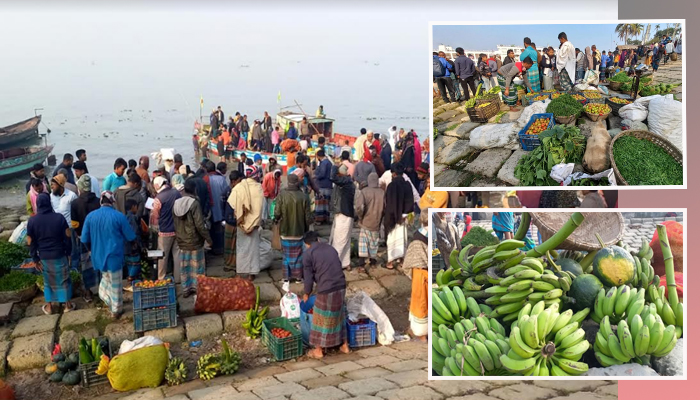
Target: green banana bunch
{"x": 618, "y": 303}
{"x": 451, "y": 306}
{"x": 208, "y": 366}
{"x": 449, "y": 277}
{"x": 176, "y": 371}
{"x": 504, "y": 255}
{"x": 657, "y": 297}
{"x": 544, "y": 342}
{"x": 572, "y": 254}
{"x": 254, "y": 318}
{"x": 642, "y": 337}
{"x": 230, "y": 360}
{"x": 644, "y": 274}
{"x": 472, "y": 348}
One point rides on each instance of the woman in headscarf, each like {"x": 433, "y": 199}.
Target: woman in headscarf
{"x": 415, "y": 265}
{"x": 178, "y": 182}
{"x": 50, "y": 246}
{"x": 589, "y": 58}
{"x": 623, "y": 57}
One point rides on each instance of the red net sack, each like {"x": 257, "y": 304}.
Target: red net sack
{"x": 216, "y": 295}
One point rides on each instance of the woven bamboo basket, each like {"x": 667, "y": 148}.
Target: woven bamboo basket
{"x": 610, "y": 227}
{"x": 615, "y": 107}
{"x": 490, "y": 110}
{"x": 667, "y": 146}
{"x": 566, "y": 120}
{"x": 596, "y": 117}
{"x": 615, "y": 86}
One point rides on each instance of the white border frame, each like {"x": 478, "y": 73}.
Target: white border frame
{"x": 563, "y": 23}
{"x": 564, "y": 378}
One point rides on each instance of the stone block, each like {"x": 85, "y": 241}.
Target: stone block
{"x": 398, "y": 285}
{"x": 371, "y": 287}
{"x": 453, "y": 152}
{"x": 408, "y": 378}
{"x": 570, "y": 386}
{"x": 523, "y": 391}
{"x": 4, "y": 348}
{"x": 282, "y": 389}
{"x": 213, "y": 393}
{"x": 5, "y": 311}
{"x": 331, "y": 380}
{"x": 203, "y": 326}
{"x": 489, "y": 162}
{"x": 119, "y": 332}
{"x": 79, "y": 317}
{"x": 374, "y": 372}
{"x": 322, "y": 393}
{"x": 168, "y": 335}
{"x": 450, "y": 178}
{"x": 507, "y": 171}
{"x": 411, "y": 393}
{"x": 269, "y": 293}
{"x": 30, "y": 351}
{"x": 631, "y": 369}
{"x": 69, "y": 340}
{"x": 256, "y": 383}
{"x": 144, "y": 394}
{"x": 457, "y": 388}
{"x": 444, "y": 140}
{"x": 33, "y": 325}
{"x": 408, "y": 365}
{"x": 298, "y": 375}
{"x": 378, "y": 361}
{"x": 463, "y": 130}
{"x": 369, "y": 386}
{"x": 339, "y": 368}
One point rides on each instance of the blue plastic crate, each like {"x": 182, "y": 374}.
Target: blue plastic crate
{"x": 530, "y": 97}
{"x": 161, "y": 296}
{"x": 362, "y": 334}
{"x": 155, "y": 318}
{"x": 529, "y": 142}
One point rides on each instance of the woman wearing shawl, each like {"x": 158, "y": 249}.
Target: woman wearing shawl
{"x": 415, "y": 265}
{"x": 533, "y": 73}
{"x": 36, "y": 187}
{"x": 399, "y": 202}
{"x": 178, "y": 182}
{"x": 246, "y": 200}
{"x": 623, "y": 57}
{"x": 50, "y": 246}
{"x": 566, "y": 63}
{"x": 417, "y": 152}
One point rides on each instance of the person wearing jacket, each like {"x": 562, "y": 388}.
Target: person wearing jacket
{"x": 344, "y": 212}
{"x": 369, "y": 208}
{"x": 86, "y": 203}
{"x": 216, "y": 186}
{"x": 37, "y": 172}
{"x": 549, "y": 63}
{"x": 464, "y": 70}
{"x": 271, "y": 188}
{"x": 50, "y": 246}
{"x": 444, "y": 82}
{"x": 293, "y": 214}
{"x": 485, "y": 71}
{"x": 322, "y": 177}
{"x": 162, "y": 221}
{"x": 453, "y": 77}
{"x": 132, "y": 190}
{"x": 190, "y": 234}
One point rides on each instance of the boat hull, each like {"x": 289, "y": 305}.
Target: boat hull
{"x": 19, "y": 165}
{"x": 20, "y": 132}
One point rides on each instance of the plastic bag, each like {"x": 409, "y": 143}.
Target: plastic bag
{"x": 139, "y": 343}
{"x": 666, "y": 119}
{"x": 603, "y": 90}
{"x": 266, "y": 254}
{"x": 493, "y": 135}
{"x": 628, "y": 124}
{"x": 561, "y": 171}
{"x": 140, "y": 368}
{"x": 535, "y": 108}
{"x": 19, "y": 235}
{"x": 634, "y": 112}
{"x": 608, "y": 173}
{"x": 289, "y": 303}
{"x": 216, "y": 295}
{"x": 591, "y": 77}
{"x": 361, "y": 304}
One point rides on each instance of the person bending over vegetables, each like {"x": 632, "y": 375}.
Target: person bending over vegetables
{"x": 505, "y": 79}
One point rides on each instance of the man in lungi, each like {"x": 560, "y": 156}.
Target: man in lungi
{"x": 105, "y": 233}
{"x": 344, "y": 212}
{"x": 323, "y": 268}
{"x": 566, "y": 63}
{"x": 293, "y": 214}
{"x": 399, "y": 203}
{"x": 322, "y": 177}
{"x": 86, "y": 203}
{"x": 246, "y": 199}
{"x": 533, "y": 73}
{"x": 50, "y": 246}
{"x": 235, "y": 178}
{"x": 369, "y": 208}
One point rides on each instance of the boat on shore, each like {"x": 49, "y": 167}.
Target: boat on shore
{"x": 20, "y": 160}
{"x": 20, "y": 131}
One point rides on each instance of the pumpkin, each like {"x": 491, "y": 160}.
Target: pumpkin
{"x": 614, "y": 266}
{"x": 62, "y": 366}
{"x": 57, "y": 376}
{"x": 58, "y": 357}
{"x": 74, "y": 358}
{"x": 567, "y": 264}
{"x": 70, "y": 365}
{"x": 6, "y": 392}
{"x": 51, "y": 368}
{"x": 674, "y": 230}
{"x": 71, "y": 378}
{"x": 584, "y": 290}
{"x": 679, "y": 284}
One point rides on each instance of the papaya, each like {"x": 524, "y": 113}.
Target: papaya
{"x": 568, "y": 264}
{"x": 584, "y": 290}
{"x": 51, "y": 368}
{"x": 613, "y": 265}
{"x": 57, "y": 376}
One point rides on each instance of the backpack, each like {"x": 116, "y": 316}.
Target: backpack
{"x": 438, "y": 68}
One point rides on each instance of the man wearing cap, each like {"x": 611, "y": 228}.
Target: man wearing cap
{"x": 105, "y": 233}
{"x": 322, "y": 177}
{"x": 162, "y": 221}
{"x": 86, "y": 203}
{"x": 293, "y": 214}
{"x": 80, "y": 169}
{"x": 60, "y": 197}
{"x": 246, "y": 199}
{"x": 344, "y": 212}
{"x": 271, "y": 188}
{"x": 37, "y": 172}
{"x": 68, "y": 186}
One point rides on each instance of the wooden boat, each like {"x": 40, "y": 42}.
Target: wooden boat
{"x": 19, "y": 160}
{"x": 21, "y": 131}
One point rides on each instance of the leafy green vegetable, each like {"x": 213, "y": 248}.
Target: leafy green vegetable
{"x": 565, "y": 143}
{"x": 591, "y": 182}
{"x": 621, "y": 77}
{"x": 16, "y": 280}
{"x": 533, "y": 169}
{"x": 479, "y": 237}
{"x": 564, "y": 106}
{"x": 11, "y": 255}
{"x": 641, "y": 162}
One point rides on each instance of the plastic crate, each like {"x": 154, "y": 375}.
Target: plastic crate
{"x": 161, "y": 296}
{"x": 88, "y": 377}
{"x": 530, "y": 97}
{"x": 474, "y": 116}
{"x": 155, "y": 318}
{"x": 282, "y": 348}
{"x": 362, "y": 334}
{"x": 492, "y": 109}
{"x": 437, "y": 264}
{"x": 529, "y": 142}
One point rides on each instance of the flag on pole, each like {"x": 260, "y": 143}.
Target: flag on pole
{"x": 201, "y": 101}
{"x": 279, "y": 96}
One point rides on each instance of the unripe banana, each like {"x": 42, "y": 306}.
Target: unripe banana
{"x": 551, "y": 279}
{"x": 516, "y": 296}
{"x": 616, "y": 350}
{"x": 573, "y": 339}
{"x": 598, "y": 305}
{"x": 505, "y": 254}
{"x": 562, "y": 320}
{"x": 473, "y": 307}
{"x": 667, "y": 314}
{"x": 496, "y": 290}
{"x": 542, "y": 286}
{"x": 520, "y": 285}
{"x": 518, "y": 268}
{"x": 529, "y": 332}
{"x": 509, "y": 244}
{"x": 543, "y": 323}
{"x": 609, "y": 302}
{"x": 623, "y": 298}
{"x": 641, "y": 342}
{"x": 537, "y": 308}
{"x": 518, "y": 346}
{"x": 564, "y": 332}
{"x": 517, "y": 366}
{"x": 553, "y": 294}
{"x": 581, "y": 315}
{"x": 527, "y": 274}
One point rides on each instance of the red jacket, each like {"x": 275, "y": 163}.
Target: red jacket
{"x": 367, "y": 156}
{"x": 271, "y": 186}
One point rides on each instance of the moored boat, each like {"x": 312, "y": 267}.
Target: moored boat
{"x": 19, "y": 160}
{"x": 20, "y": 131}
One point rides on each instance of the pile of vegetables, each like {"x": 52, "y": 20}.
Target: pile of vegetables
{"x": 62, "y": 368}
{"x": 565, "y": 143}
{"x": 549, "y": 91}
{"x": 661, "y": 88}
{"x": 556, "y": 95}
{"x": 591, "y": 182}
{"x": 621, "y": 77}
{"x": 533, "y": 169}
{"x": 537, "y": 126}
{"x": 578, "y": 97}
{"x": 540, "y": 98}
{"x": 255, "y": 316}
{"x": 505, "y": 311}
{"x": 483, "y": 105}
{"x": 589, "y": 94}
{"x": 11, "y": 254}
{"x": 479, "y": 237}
{"x": 597, "y": 109}
{"x": 16, "y": 280}
{"x": 564, "y": 105}
{"x": 618, "y": 100}
{"x": 93, "y": 350}
{"x": 641, "y": 162}
{"x": 626, "y": 87}
{"x": 211, "y": 365}
{"x": 472, "y": 101}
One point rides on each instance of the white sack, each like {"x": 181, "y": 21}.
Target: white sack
{"x": 493, "y": 135}
{"x": 666, "y": 119}
{"x": 361, "y": 304}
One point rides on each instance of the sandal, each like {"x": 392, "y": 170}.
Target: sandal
{"x": 47, "y": 312}
{"x": 69, "y": 309}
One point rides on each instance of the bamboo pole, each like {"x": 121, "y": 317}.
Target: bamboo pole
{"x": 668, "y": 262}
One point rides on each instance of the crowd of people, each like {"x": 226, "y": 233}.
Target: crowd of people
{"x": 103, "y": 229}
{"x": 539, "y": 69}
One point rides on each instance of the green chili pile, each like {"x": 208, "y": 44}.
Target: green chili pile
{"x": 641, "y": 162}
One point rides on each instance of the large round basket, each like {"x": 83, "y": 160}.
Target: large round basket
{"x": 596, "y": 117}
{"x": 615, "y": 107}
{"x": 615, "y": 86}
{"x": 674, "y": 56}
{"x": 18, "y": 296}
{"x": 610, "y": 227}
{"x": 667, "y": 146}
{"x": 566, "y": 120}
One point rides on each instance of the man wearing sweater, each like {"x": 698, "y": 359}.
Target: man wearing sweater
{"x": 464, "y": 69}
